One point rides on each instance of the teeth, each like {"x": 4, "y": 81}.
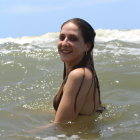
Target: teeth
{"x": 65, "y": 51}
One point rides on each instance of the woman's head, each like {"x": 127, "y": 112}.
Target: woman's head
{"x": 86, "y": 29}
{"x": 71, "y": 44}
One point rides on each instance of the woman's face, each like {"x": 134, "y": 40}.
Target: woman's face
{"x": 71, "y": 45}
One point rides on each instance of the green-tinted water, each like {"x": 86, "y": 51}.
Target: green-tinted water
{"x": 31, "y": 72}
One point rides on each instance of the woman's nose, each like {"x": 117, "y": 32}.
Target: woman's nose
{"x": 65, "y": 42}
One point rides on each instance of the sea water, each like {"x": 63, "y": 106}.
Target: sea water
{"x": 31, "y": 73}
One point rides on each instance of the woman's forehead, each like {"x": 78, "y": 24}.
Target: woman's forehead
{"x": 70, "y": 28}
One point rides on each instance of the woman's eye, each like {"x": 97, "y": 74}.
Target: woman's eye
{"x": 70, "y": 38}
{"x": 61, "y": 37}
{"x": 73, "y": 38}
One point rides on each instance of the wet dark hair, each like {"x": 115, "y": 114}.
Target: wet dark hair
{"x": 88, "y": 34}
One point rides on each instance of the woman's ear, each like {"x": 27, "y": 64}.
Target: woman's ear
{"x": 88, "y": 46}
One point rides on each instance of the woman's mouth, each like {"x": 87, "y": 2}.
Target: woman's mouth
{"x": 65, "y": 51}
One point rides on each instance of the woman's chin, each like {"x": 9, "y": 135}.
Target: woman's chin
{"x": 66, "y": 60}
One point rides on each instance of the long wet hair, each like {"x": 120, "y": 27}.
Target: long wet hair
{"x": 88, "y": 34}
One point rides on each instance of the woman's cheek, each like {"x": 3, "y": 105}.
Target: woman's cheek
{"x": 58, "y": 46}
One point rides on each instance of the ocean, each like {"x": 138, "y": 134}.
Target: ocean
{"x": 31, "y": 73}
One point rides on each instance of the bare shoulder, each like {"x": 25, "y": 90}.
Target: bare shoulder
{"x": 75, "y": 78}
{"x": 80, "y": 73}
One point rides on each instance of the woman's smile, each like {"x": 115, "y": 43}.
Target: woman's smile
{"x": 65, "y": 51}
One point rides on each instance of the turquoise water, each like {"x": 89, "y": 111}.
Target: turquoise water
{"x": 31, "y": 73}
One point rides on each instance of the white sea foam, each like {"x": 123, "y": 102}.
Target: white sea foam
{"x": 101, "y": 36}
{"x": 118, "y": 51}
{"x": 109, "y": 41}
{"x": 46, "y": 38}
{"x": 122, "y": 35}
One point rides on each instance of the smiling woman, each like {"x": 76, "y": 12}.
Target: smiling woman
{"x": 79, "y": 93}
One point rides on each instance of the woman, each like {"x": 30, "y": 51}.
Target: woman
{"x": 79, "y": 93}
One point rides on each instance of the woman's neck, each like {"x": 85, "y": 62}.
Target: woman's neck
{"x": 68, "y": 69}
{"x": 69, "y": 66}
